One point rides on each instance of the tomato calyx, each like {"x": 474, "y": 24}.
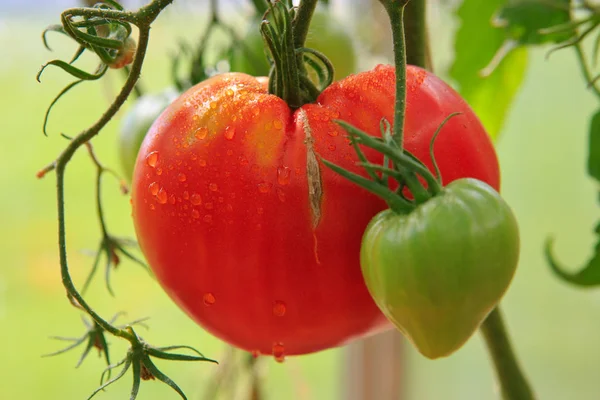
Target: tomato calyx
{"x": 284, "y": 31}
{"x": 415, "y": 183}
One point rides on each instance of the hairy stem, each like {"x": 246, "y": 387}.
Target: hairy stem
{"x": 512, "y": 381}
{"x": 395, "y": 10}
{"x": 306, "y": 10}
{"x": 143, "y": 18}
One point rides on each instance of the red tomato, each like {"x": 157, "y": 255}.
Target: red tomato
{"x": 250, "y": 234}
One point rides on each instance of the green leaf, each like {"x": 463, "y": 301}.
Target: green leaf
{"x": 594, "y": 147}
{"x": 523, "y": 20}
{"x": 477, "y": 44}
{"x": 586, "y": 276}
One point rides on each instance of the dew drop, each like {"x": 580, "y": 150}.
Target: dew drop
{"x": 196, "y": 199}
{"x": 195, "y": 214}
{"x": 229, "y": 152}
{"x": 243, "y": 160}
{"x": 213, "y": 105}
{"x": 201, "y": 133}
{"x": 172, "y": 199}
{"x": 229, "y": 92}
{"x": 268, "y": 126}
{"x": 333, "y": 133}
{"x": 186, "y": 195}
{"x": 208, "y": 299}
{"x": 260, "y": 211}
{"x": 181, "y": 177}
{"x": 277, "y": 124}
{"x": 161, "y": 196}
{"x": 207, "y": 218}
{"x": 209, "y": 206}
{"x": 152, "y": 159}
{"x": 202, "y": 162}
{"x": 283, "y": 175}
{"x": 229, "y": 132}
{"x": 264, "y": 187}
{"x": 159, "y": 171}
{"x": 336, "y": 114}
{"x": 152, "y": 207}
{"x": 278, "y": 352}
{"x": 213, "y": 187}
{"x": 279, "y": 309}
{"x": 331, "y": 147}
{"x": 153, "y": 188}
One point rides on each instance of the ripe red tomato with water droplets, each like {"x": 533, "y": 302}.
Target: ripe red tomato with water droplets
{"x": 251, "y": 234}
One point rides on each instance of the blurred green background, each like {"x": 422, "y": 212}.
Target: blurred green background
{"x": 555, "y": 327}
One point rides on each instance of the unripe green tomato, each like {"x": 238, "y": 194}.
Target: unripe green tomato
{"x": 326, "y": 34}
{"x": 136, "y": 124}
{"x": 437, "y": 272}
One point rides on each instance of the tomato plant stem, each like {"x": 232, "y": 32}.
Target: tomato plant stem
{"x": 512, "y": 380}
{"x": 305, "y": 12}
{"x": 143, "y": 18}
{"x": 415, "y": 27}
{"x": 395, "y": 10}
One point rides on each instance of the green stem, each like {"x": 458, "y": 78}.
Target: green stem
{"x": 415, "y": 27}
{"x": 395, "y": 10}
{"x": 305, "y": 12}
{"x": 513, "y": 382}
{"x": 143, "y": 18}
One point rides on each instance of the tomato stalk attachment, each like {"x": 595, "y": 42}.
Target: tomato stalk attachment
{"x": 284, "y": 31}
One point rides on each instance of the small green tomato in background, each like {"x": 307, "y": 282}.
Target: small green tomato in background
{"x": 326, "y": 34}
{"x": 438, "y": 271}
{"x": 136, "y": 124}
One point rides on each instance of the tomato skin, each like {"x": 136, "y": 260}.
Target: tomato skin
{"x": 227, "y": 210}
{"x": 326, "y": 34}
{"x": 136, "y": 123}
{"x": 437, "y": 272}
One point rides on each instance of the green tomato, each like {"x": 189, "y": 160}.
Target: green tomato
{"x": 136, "y": 124}
{"x": 326, "y": 34}
{"x": 437, "y": 272}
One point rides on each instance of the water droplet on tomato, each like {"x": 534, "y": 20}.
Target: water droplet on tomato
{"x": 268, "y": 126}
{"x": 283, "y": 175}
{"x": 279, "y": 309}
{"x": 172, "y": 199}
{"x": 159, "y": 171}
{"x": 195, "y": 214}
{"x": 201, "y": 133}
{"x": 335, "y": 114}
{"x": 152, "y": 207}
{"x": 153, "y": 188}
{"x": 229, "y": 92}
{"x": 196, "y": 199}
{"x": 277, "y": 124}
{"x": 260, "y": 210}
{"x": 161, "y": 196}
{"x": 186, "y": 195}
{"x": 278, "y": 352}
{"x": 229, "y": 132}
{"x": 213, "y": 187}
{"x": 213, "y": 105}
{"x": 152, "y": 159}
{"x": 209, "y": 206}
{"x": 264, "y": 187}
{"x": 181, "y": 177}
{"x": 333, "y": 133}
{"x": 207, "y": 218}
{"x": 202, "y": 162}
{"x": 208, "y": 299}
{"x": 281, "y": 195}
{"x": 243, "y": 160}
{"x": 331, "y": 147}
